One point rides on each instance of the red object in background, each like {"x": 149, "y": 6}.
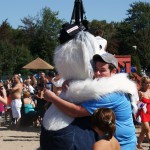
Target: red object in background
{"x": 9, "y": 100}
{"x": 124, "y": 61}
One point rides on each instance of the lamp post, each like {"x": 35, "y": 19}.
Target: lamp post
{"x": 135, "y": 47}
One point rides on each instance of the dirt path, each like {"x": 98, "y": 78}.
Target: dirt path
{"x": 27, "y": 138}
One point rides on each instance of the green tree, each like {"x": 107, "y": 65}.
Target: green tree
{"x": 109, "y": 30}
{"x": 42, "y": 33}
{"x": 14, "y": 53}
{"x": 6, "y": 31}
{"x": 135, "y": 31}
{"x": 13, "y": 58}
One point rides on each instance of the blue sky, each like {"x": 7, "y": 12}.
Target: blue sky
{"x": 109, "y": 10}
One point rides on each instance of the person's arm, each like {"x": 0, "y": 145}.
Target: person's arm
{"x": 4, "y": 101}
{"x": 32, "y": 103}
{"x": 69, "y": 108}
{"x": 4, "y": 98}
{"x": 14, "y": 89}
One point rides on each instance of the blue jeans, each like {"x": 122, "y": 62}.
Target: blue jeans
{"x": 77, "y": 136}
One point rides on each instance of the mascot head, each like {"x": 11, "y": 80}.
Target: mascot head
{"x": 73, "y": 58}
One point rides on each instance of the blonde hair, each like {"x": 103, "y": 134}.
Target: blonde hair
{"x": 144, "y": 80}
{"x": 26, "y": 94}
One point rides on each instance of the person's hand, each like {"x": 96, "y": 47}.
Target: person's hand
{"x": 3, "y": 91}
{"x": 65, "y": 85}
{"x": 48, "y": 95}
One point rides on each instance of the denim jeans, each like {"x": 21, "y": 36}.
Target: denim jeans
{"x": 76, "y": 136}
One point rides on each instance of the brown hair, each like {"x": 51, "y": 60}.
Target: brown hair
{"x": 104, "y": 120}
{"x": 99, "y": 59}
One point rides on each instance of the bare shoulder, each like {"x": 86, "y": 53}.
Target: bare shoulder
{"x": 20, "y": 85}
{"x": 102, "y": 145}
{"x": 115, "y": 144}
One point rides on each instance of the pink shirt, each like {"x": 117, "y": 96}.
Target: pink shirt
{"x": 1, "y": 107}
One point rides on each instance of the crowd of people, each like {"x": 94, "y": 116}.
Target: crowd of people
{"x": 87, "y": 105}
{"x": 88, "y": 91}
{"x": 20, "y": 98}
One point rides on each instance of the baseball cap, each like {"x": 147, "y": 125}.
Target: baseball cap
{"x": 108, "y": 58}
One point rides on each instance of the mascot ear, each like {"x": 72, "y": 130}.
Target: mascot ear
{"x": 68, "y": 32}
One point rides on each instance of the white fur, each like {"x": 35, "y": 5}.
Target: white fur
{"x": 81, "y": 91}
{"x": 73, "y": 59}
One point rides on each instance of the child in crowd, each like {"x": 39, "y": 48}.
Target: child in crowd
{"x": 103, "y": 122}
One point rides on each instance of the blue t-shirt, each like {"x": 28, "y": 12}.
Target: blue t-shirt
{"x": 120, "y": 104}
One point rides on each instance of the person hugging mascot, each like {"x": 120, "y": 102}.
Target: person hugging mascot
{"x": 73, "y": 60}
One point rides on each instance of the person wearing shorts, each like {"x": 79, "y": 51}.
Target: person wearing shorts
{"x": 16, "y": 93}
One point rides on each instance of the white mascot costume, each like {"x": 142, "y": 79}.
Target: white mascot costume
{"x": 73, "y": 60}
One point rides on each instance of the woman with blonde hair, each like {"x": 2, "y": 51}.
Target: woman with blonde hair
{"x": 29, "y": 107}
{"x": 144, "y": 111}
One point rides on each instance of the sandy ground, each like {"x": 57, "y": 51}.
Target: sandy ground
{"x": 145, "y": 143}
{"x": 26, "y": 138}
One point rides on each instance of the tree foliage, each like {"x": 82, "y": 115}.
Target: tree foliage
{"x": 13, "y": 51}
{"x": 38, "y": 37}
{"x": 42, "y": 33}
{"x": 109, "y": 30}
{"x": 135, "y": 31}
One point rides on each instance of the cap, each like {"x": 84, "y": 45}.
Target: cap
{"x": 68, "y": 32}
{"x": 108, "y": 58}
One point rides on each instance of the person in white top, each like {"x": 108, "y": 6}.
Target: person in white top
{"x": 101, "y": 41}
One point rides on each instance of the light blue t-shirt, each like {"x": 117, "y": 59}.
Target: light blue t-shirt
{"x": 120, "y": 104}
{"x": 28, "y": 108}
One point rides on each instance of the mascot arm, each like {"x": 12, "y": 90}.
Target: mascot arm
{"x": 68, "y": 108}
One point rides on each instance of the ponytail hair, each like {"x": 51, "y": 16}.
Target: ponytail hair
{"x": 104, "y": 120}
